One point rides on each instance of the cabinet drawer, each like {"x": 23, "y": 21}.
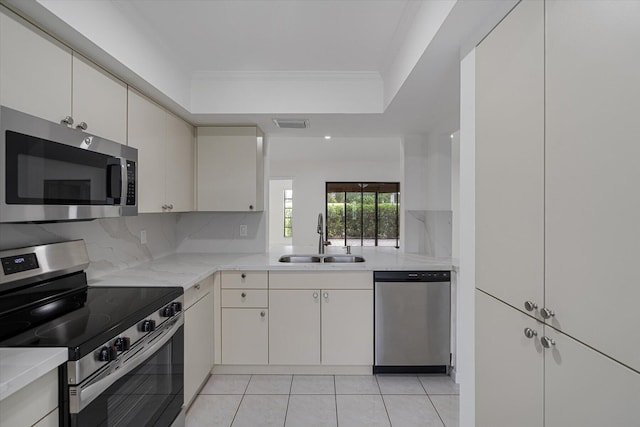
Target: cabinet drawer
{"x": 197, "y": 291}
{"x": 244, "y": 280}
{"x": 239, "y": 298}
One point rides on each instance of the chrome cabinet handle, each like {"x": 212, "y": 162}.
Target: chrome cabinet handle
{"x": 326, "y": 295}
{"x": 244, "y": 276}
{"x": 315, "y": 295}
{"x": 197, "y": 286}
{"x": 170, "y": 206}
{"x": 243, "y": 295}
{"x": 82, "y": 125}
{"x": 250, "y": 207}
{"x": 262, "y": 314}
{"x": 547, "y": 342}
{"x": 67, "y": 121}
{"x": 530, "y": 305}
{"x": 547, "y": 313}
{"x": 165, "y": 207}
{"x": 530, "y": 333}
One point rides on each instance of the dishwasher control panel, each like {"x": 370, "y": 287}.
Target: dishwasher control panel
{"x": 412, "y": 276}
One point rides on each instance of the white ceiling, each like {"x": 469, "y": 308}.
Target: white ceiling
{"x": 285, "y": 58}
{"x": 276, "y": 35}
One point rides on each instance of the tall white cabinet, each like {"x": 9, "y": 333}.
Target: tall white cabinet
{"x": 557, "y": 101}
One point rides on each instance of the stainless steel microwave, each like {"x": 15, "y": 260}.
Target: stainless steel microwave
{"x": 51, "y": 172}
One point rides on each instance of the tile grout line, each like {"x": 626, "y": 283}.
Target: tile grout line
{"x": 383, "y": 402}
{"x": 431, "y": 401}
{"x": 286, "y": 412}
{"x": 335, "y": 399}
{"x": 240, "y": 403}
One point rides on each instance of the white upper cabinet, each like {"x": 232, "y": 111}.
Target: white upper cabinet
{"x": 510, "y": 158}
{"x": 35, "y": 70}
{"x": 592, "y": 174}
{"x": 44, "y": 78}
{"x": 165, "y": 146}
{"x": 99, "y": 101}
{"x": 230, "y": 174}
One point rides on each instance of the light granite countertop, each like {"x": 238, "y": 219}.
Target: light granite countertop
{"x": 187, "y": 269}
{"x": 21, "y": 366}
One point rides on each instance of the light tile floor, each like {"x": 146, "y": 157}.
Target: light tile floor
{"x": 326, "y": 400}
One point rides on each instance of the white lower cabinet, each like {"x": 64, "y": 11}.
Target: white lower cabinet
{"x": 347, "y": 327}
{"x": 198, "y": 337}
{"x": 520, "y": 382}
{"x": 327, "y": 325}
{"x": 32, "y": 405}
{"x": 509, "y": 366}
{"x": 294, "y": 327}
{"x": 245, "y": 336}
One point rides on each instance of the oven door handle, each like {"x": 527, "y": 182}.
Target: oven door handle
{"x": 82, "y": 395}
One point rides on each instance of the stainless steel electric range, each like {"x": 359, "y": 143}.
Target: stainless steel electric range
{"x": 126, "y": 344}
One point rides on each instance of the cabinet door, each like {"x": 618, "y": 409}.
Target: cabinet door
{"x": 245, "y": 335}
{"x": 198, "y": 343}
{"x": 509, "y": 157}
{"x": 147, "y": 134}
{"x": 99, "y": 100}
{"x": 509, "y": 366}
{"x": 585, "y": 388}
{"x": 227, "y": 172}
{"x": 347, "y": 327}
{"x": 35, "y": 70}
{"x": 294, "y": 327}
{"x": 592, "y": 174}
{"x": 179, "y": 164}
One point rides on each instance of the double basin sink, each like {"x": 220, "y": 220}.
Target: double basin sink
{"x": 321, "y": 258}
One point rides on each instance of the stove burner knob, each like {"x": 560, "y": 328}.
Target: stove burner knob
{"x": 169, "y": 311}
{"x": 176, "y": 306}
{"x": 107, "y": 354}
{"x": 123, "y": 343}
{"x": 148, "y": 326}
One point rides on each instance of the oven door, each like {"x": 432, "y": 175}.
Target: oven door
{"x": 145, "y": 390}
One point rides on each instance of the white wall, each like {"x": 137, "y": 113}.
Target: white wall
{"x": 311, "y": 162}
{"x": 466, "y": 273}
{"x": 426, "y": 196}
{"x": 455, "y": 195}
{"x": 276, "y": 211}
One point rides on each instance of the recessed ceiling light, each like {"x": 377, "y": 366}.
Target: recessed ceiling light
{"x": 327, "y": 137}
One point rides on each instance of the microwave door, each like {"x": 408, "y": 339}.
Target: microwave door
{"x": 115, "y": 178}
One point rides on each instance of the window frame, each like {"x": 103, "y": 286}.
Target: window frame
{"x": 363, "y": 185}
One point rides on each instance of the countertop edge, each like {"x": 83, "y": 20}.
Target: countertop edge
{"x": 19, "y": 367}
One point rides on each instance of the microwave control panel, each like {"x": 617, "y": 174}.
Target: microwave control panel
{"x": 131, "y": 183}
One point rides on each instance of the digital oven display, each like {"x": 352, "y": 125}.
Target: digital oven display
{"x": 18, "y": 263}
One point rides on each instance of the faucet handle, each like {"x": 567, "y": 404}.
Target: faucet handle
{"x": 348, "y": 248}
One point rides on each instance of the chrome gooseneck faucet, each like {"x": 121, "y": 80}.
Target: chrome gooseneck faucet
{"x": 321, "y": 233}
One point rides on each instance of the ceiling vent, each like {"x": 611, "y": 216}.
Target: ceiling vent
{"x": 291, "y": 123}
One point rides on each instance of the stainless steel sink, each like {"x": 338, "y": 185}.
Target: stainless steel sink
{"x": 343, "y": 258}
{"x": 300, "y": 258}
{"x": 320, "y": 258}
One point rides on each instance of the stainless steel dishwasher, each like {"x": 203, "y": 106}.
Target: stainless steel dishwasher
{"x": 412, "y": 321}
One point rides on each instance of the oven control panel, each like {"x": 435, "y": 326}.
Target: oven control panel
{"x": 19, "y": 263}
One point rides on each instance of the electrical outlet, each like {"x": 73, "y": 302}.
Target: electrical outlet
{"x": 143, "y": 237}
{"x": 243, "y": 230}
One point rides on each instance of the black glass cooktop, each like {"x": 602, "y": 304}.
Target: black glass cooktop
{"x": 93, "y": 316}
